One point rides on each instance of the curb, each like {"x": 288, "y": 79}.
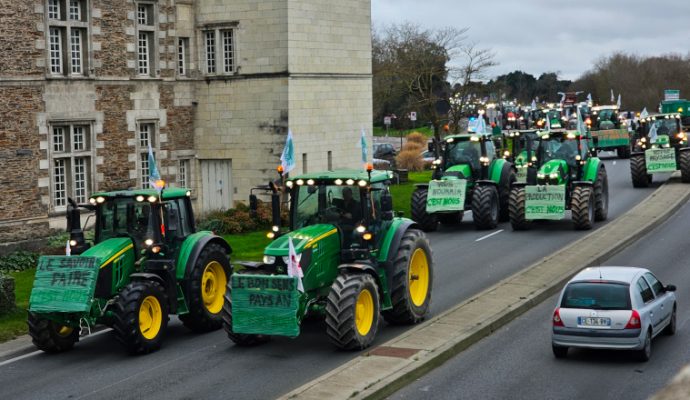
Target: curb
{"x": 374, "y": 377}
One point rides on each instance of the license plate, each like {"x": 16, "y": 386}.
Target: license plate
{"x": 594, "y": 321}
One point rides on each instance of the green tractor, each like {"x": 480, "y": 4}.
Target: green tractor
{"x": 608, "y": 134}
{"x": 469, "y": 177}
{"x": 662, "y": 146}
{"x": 146, "y": 262}
{"x": 568, "y": 178}
{"x": 519, "y": 148}
{"x": 357, "y": 261}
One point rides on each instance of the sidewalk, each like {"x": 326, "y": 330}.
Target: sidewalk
{"x": 389, "y": 367}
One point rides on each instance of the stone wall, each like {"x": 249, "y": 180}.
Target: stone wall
{"x": 22, "y": 43}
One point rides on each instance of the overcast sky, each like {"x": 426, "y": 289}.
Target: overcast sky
{"x": 538, "y": 36}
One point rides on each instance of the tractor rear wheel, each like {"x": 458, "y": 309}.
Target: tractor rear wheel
{"x": 50, "y": 336}
{"x": 485, "y": 206}
{"x": 206, "y": 289}
{"x": 582, "y": 207}
{"x": 450, "y": 219}
{"x": 352, "y": 311}
{"x": 141, "y": 316}
{"x": 638, "y": 171}
{"x": 428, "y": 222}
{"x": 508, "y": 177}
{"x": 240, "y": 339}
{"x": 601, "y": 195}
{"x": 517, "y": 209}
{"x": 684, "y": 162}
{"x": 412, "y": 279}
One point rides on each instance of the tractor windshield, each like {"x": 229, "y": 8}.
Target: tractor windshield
{"x": 462, "y": 152}
{"x": 606, "y": 119}
{"x": 124, "y": 217}
{"x": 666, "y": 126}
{"x": 558, "y": 148}
{"x": 333, "y": 204}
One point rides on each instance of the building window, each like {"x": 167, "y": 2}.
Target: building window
{"x": 219, "y": 51}
{"x": 71, "y": 159}
{"x": 146, "y": 39}
{"x": 146, "y": 136}
{"x": 182, "y": 56}
{"x": 183, "y": 174}
{"x": 68, "y": 35}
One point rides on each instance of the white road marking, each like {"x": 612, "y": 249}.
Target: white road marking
{"x": 23, "y": 356}
{"x": 489, "y": 235}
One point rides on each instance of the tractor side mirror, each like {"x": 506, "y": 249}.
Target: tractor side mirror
{"x": 386, "y": 206}
{"x": 173, "y": 220}
{"x": 253, "y": 204}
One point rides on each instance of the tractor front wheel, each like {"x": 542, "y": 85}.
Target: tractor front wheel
{"x": 428, "y": 222}
{"x": 582, "y": 207}
{"x": 141, "y": 316}
{"x": 485, "y": 206}
{"x": 638, "y": 171}
{"x": 684, "y": 162}
{"x": 50, "y": 336}
{"x": 206, "y": 289}
{"x": 352, "y": 311}
{"x": 601, "y": 195}
{"x": 517, "y": 209}
{"x": 240, "y": 339}
{"x": 508, "y": 177}
{"x": 412, "y": 279}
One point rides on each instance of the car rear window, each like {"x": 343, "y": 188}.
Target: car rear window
{"x": 597, "y": 295}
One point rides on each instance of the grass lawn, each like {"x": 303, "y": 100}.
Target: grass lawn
{"x": 403, "y": 193}
{"x": 381, "y": 131}
{"x": 247, "y": 246}
{"x": 14, "y": 324}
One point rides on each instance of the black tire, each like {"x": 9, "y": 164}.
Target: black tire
{"x": 508, "y": 177}
{"x": 582, "y": 207}
{"x": 684, "y": 162}
{"x": 671, "y": 327}
{"x": 428, "y": 222}
{"x": 645, "y": 353}
{"x": 341, "y": 311}
{"x": 623, "y": 152}
{"x": 638, "y": 171}
{"x": 406, "y": 308}
{"x": 126, "y": 316}
{"x": 240, "y": 339}
{"x": 450, "y": 219}
{"x": 49, "y": 336}
{"x": 559, "y": 351}
{"x": 517, "y": 209}
{"x": 485, "y": 206}
{"x": 212, "y": 268}
{"x": 601, "y": 195}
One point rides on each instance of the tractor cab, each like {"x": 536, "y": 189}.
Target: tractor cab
{"x": 467, "y": 156}
{"x": 603, "y": 118}
{"x": 560, "y": 155}
{"x": 554, "y": 117}
{"x": 520, "y": 149}
{"x": 661, "y": 131}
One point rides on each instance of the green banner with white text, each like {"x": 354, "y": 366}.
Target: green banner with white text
{"x": 660, "y": 160}
{"x": 446, "y": 195}
{"x": 544, "y": 202}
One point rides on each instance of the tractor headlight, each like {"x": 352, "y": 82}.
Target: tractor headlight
{"x": 152, "y": 199}
{"x": 148, "y": 242}
{"x": 72, "y": 243}
{"x": 553, "y": 175}
{"x": 541, "y": 176}
{"x": 92, "y": 201}
{"x": 156, "y": 249}
{"x": 643, "y": 140}
{"x": 100, "y": 199}
{"x": 275, "y": 228}
{"x": 506, "y": 153}
{"x": 270, "y": 235}
{"x": 367, "y": 236}
{"x": 289, "y": 184}
{"x": 437, "y": 162}
{"x": 286, "y": 259}
{"x": 578, "y": 157}
{"x": 666, "y": 145}
{"x": 269, "y": 259}
{"x": 361, "y": 229}
{"x": 139, "y": 198}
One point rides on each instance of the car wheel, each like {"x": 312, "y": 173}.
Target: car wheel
{"x": 559, "y": 351}
{"x": 645, "y": 353}
{"x": 671, "y": 327}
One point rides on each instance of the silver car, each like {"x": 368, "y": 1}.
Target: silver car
{"x": 620, "y": 308}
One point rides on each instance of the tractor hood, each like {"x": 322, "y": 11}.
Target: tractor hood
{"x": 301, "y": 238}
{"x": 109, "y": 249}
{"x": 521, "y": 158}
{"x": 458, "y": 171}
{"x": 547, "y": 171}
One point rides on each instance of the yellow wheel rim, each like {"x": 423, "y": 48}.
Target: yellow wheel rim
{"x": 364, "y": 312}
{"x": 150, "y": 317}
{"x": 419, "y": 277}
{"x": 64, "y": 331}
{"x": 213, "y": 284}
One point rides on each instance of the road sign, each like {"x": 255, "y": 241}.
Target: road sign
{"x": 671, "y": 94}
{"x": 386, "y": 120}
{"x": 413, "y": 115}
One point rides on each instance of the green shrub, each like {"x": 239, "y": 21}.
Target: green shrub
{"x": 238, "y": 219}
{"x": 18, "y": 261}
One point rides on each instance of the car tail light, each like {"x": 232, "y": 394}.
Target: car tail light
{"x": 634, "y": 322}
{"x": 557, "y": 321}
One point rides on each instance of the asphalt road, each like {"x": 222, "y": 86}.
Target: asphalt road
{"x": 516, "y": 362}
{"x": 210, "y": 366}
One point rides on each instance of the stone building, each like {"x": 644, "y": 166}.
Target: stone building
{"x": 86, "y": 86}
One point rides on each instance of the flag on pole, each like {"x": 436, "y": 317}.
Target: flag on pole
{"x": 644, "y": 113}
{"x": 589, "y": 98}
{"x": 533, "y": 106}
{"x": 613, "y": 98}
{"x": 581, "y": 127}
{"x": 155, "y": 180}
{"x": 363, "y": 145}
{"x": 652, "y": 133}
{"x": 293, "y": 267}
{"x": 481, "y": 125}
{"x": 68, "y": 249}
{"x": 287, "y": 159}
{"x": 548, "y": 123}
{"x": 618, "y": 103}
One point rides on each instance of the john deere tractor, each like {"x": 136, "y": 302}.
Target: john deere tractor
{"x": 519, "y": 148}
{"x": 469, "y": 177}
{"x": 147, "y": 261}
{"x": 568, "y": 178}
{"x": 357, "y": 262}
{"x": 662, "y": 146}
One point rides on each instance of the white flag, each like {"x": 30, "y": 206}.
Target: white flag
{"x": 287, "y": 159}
{"x": 293, "y": 267}
{"x": 618, "y": 103}
{"x": 68, "y": 249}
{"x": 644, "y": 113}
{"x": 589, "y": 99}
{"x": 533, "y": 106}
{"x": 613, "y": 98}
{"x": 652, "y": 133}
{"x": 363, "y": 145}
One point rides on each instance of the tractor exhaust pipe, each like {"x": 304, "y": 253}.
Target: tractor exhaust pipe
{"x": 77, "y": 241}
